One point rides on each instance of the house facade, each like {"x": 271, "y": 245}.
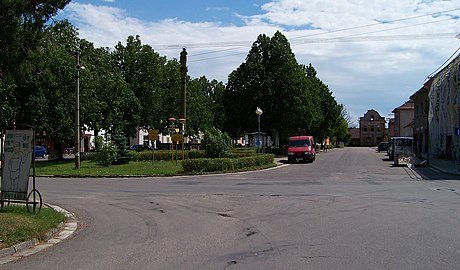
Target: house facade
{"x": 404, "y": 120}
{"x": 421, "y": 128}
{"x": 371, "y": 128}
{"x": 444, "y": 112}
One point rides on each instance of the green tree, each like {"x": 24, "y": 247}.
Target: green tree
{"x": 270, "y": 79}
{"x": 142, "y": 69}
{"x": 106, "y": 100}
{"x": 217, "y": 143}
{"x": 22, "y": 24}
{"x": 204, "y": 104}
{"x": 45, "y": 94}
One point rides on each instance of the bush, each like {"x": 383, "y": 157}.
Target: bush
{"x": 123, "y": 154}
{"x": 216, "y": 142}
{"x": 226, "y": 164}
{"x": 166, "y": 155}
{"x": 106, "y": 154}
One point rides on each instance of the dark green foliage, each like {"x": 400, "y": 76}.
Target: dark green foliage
{"x": 167, "y": 155}
{"x": 217, "y": 143}
{"x": 106, "y": 154}
{"x": 226, "y": 164}
{"x": 123, "y": 154}
{"x": 294, "y": 101}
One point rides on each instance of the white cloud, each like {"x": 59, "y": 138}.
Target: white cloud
{"x": 372, "y": 73}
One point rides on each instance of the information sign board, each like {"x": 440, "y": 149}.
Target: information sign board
{"x": 18, "y": 158}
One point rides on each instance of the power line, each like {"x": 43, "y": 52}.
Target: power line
{"x": 349, "y": 39}
{"x": 381, "y": 38}
{"x": 439, "y": 68}
{"x": 389, "y": 29}
{"x": 239, "y": 44}
{"x": 377, "y": 23}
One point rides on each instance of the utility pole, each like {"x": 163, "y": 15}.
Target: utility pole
{"x": 183, "y": 84}
{"x": 78, "y": 67}
{"x": 183, "y": 88}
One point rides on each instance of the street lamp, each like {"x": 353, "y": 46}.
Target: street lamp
{"x": 78, "y": 67}
{"x": 259, "y": 113}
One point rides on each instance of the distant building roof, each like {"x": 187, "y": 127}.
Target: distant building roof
{"x": 408, "y": 105}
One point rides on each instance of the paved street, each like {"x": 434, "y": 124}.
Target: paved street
{"x": 350, "y": 209}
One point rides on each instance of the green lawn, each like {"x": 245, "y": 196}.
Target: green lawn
{"x": 17, "y": 225}
{"x": 90, "y": 168}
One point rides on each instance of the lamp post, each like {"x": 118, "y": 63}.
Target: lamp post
{"x": 259, "y": 113}
{"x": 78, "y": 67}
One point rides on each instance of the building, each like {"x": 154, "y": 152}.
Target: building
{"x": 371, "y": 128}
{"x": 354, "y": 137}
{"x": 444, "y": 112}
{"x": 404, "y": 120}
{"x": 420, "y": 129}
{"x": 391, "y": 127}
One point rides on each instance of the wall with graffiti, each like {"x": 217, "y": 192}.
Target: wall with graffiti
{"x": 444, "y": 111}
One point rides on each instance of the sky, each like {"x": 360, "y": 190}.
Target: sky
{"x": 373, "y": 54}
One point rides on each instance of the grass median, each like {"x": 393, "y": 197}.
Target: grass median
{"x": 17, "y": 225}
{"x": 91, "y": 169}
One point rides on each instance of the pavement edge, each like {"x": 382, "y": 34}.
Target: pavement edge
{"x": 54, "y": 236}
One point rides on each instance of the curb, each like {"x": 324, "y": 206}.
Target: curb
{"x": 443, "y": 170}
{"x": 54, "y": 236}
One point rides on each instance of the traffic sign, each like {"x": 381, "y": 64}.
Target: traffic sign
{"x": 153, "y": 134}
{"x": 176, "y": 137}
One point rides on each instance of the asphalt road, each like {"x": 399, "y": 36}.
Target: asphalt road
{"x": 350, "y": 209}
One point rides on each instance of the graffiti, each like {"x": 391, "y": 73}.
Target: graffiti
{"x": 444, "y": 111}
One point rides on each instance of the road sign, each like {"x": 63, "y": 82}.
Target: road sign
{"x": 153, "y": 134}
{"x": 457, "y": 131}
{"x": 176, "y": 137}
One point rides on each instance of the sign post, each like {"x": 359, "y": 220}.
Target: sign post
{"x": 153, "y": 136}
{"x": 176, "y": 137}
{"x": 18, "y": 156}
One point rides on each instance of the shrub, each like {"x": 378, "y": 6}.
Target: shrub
{"x": 123, "y": 154}
{"x": 216, "y": 142}
{"x": 226, "y": 164}
{"x": 166, "y": 155}
{"x": 106, "y": 154}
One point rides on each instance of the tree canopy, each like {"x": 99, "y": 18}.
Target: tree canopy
{"x": 293, "y": 99}
{"x": 132, "y": 86}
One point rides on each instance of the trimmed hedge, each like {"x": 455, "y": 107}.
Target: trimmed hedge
{"x": 146, "y": 155}
{"x": 226, "y": 164}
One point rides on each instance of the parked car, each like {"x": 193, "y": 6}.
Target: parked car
{"x": 301, "y": 148}
{"x": 40, "y": 151}
{"x": 138, "y": 147}
{"x": 383, "y": 146}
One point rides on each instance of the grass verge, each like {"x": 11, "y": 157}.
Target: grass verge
{"x": 17, "y": 225}
{"x": 91, "y": 169}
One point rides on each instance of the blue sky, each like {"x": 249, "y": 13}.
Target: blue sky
{"x": 372, "y": 56}
{"x": 192, "y": 10}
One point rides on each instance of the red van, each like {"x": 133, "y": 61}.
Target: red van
{"x": 301, "y": 148}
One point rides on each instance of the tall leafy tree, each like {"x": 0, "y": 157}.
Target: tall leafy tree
{"x": 51, "y": 104}
{"x": 270, "y": 79}
{"x": 200, "y": 112}
{"x": 22, "y": 24}
{"x": 142, "y": 69}
{"x": 106, "y": 100}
